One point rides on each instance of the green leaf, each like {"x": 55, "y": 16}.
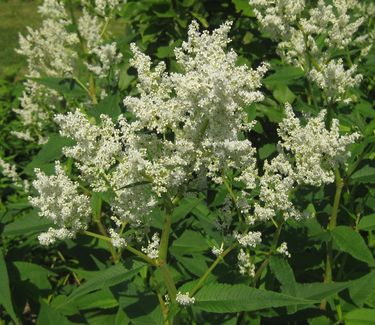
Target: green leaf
{"x": 361, "y": 316}
{"x": 5, "y": 295}
{"x": 226, "y": 298}
{"x": 65, "y": 86}
{"x": 272, "y": 112}
{"x": 27, "y": 224}
{"x": 166, "y": 51}
{"x": 365, "y": 175}
{"x": 35, "y": 274}
{"x": 49, "y": 315}
{"x": 283, "y": 94}
{"x": 50, "y": 152}
{"x": 243, "y": 5}
{"x": 367, "y": 222}
{"x": 189, "y": 242}
{"x": 366, "y": 109}
{"x": 352, "y": 243}
{"x": 362, "y": 288}
{"x": 105, "y": 279}
{"x": 283, "y": 75}
{"x": 110, "y": 106}
{"x": 196, "y": 264}
{"x": 102, "y": 299}
{"x": 96, "y": 205}
{"x": 267, "y": 150}
{"x": 284, "y": 273}
{"x": 185, "y": 206}
{"x": 318, "y": 291}
{"x": 201, "y": 19}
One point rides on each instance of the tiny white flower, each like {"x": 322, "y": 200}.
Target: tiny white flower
{"x": 184, "y": 299}
{"x": 283, "y": 249}
{"x": 152, "y": 250}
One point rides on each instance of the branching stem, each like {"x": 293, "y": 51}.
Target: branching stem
{"x": 332, "y": 225}
{"x": 210, "y": 269}
{"x": 128, "y": 248}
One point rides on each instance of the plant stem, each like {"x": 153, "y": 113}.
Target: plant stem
{"x": 336, "y": 202}
{"x": 208, "y": 272}
{"x": 332, "y": 225}
{"x": 104, "y": 233}
{"x": 312, "y": 94}
{"x": 259, "y": 272}
{"x": 129, "y": 248}
{"x": 92, "y": 89}
{"x": 264, "y": 264}
{"x": 163, "y": 254}
{"x": 232, "y": 196}
{"x": 141, "y": 255}
{"x": 163, "y": 251}
{"x": 329, "y": 116}
{"x": 105, "y": 26}
{"x": 79, "y": 82}
{"x": 168, "y": 281}
{"x": 163, "y": 307}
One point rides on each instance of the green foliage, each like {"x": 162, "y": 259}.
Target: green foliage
{"x": 87, "y": 281}
{"x": 224, "y": 298}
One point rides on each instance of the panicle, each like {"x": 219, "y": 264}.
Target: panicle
{"x": 298, "y": 30}
{"x": 245, "y": 265}
{"x": 184, "y": 299}
{"x": 152, "y": 250}
{"x": 59, "y": 200}
{"x": 53, "y": 51}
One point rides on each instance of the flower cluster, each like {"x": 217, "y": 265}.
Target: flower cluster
{"x": 283, "y": 249}
{"x": 54, "y": 51}
{"x": 307, "y": 156}
{"x": 197, "y": 134}
{"x": 335, "y": 80}
{"x": 9, "y": 170}
{"x": 299, "y": 30}
{"x": 186, "y": 129}
{"x": 245, "y": 265}
{"x": 152, "y": 250}
{"x": 116, "y": 239}
{"x": 251, "y": 239}
{"x": 203, "y": 107}
{"x": 60, "y": 202}
{"x": 184, "y": 299}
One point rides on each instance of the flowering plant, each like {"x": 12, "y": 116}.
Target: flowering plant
{"x": 175, "y": 190}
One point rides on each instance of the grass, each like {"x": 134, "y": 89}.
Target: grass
{"x": 15, "y": 15}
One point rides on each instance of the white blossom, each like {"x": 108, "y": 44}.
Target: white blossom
{"x": 245, "y": 265}
{"x": 307, "y": 156}
{"x": 103, "y": 7}
{"x": 9, "y": 170}
{"x": 152, "y": 250}
{"x": 298, "y": 31}
{"x": 250, "y": 239}
{"x": 335, "y": 80}
{"x": 116, "y": 240}
{"x": 97, "y": 147}
{"x": 218, "y": 250}
{"x": 53, "y": 50}
{"x": 283, "y": 249}
{"x": 202, "y": 106}
{"x": 53, "y": 9}
{"x": 90, "y": 28}
{"x": 50, "y": 237}
{"x": 315, "y": 149}
{"x": 58, "y": 200}
{"x": 184, "y": 299}
{"x": 107, "y": 58}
